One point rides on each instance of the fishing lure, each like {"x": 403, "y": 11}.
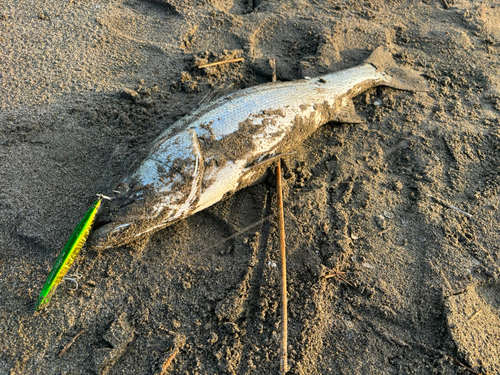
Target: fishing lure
{"x": 68, "y": 255}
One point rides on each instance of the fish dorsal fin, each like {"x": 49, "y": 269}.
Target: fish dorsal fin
{"x": 348, "y": 114}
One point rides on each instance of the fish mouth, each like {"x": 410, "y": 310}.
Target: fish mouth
{"x": 109, "y": 234}
{"x": 118, "y": 224}
{"x": 121, "y": 219}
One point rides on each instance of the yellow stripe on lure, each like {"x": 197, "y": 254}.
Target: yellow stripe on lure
{"x": 68, "y": 255}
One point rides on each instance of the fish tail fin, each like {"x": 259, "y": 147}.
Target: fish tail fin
{"x": 396, "y": 76}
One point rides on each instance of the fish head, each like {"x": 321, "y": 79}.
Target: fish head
{"x": 164, "y": 189}
{"x": 119, "y": 218}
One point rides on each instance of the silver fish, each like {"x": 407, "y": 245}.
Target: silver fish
{"x": 227, "y": 145}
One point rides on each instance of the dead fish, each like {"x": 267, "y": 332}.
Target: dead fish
{"x": 227, "y": 145}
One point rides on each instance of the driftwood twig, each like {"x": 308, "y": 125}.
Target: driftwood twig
{"x": 281, "y": 228}
{"x": 70, "y": 343}
{"x": 168, "y": 360}
{"x": 272, "y": 62}
{"x": 284, "y": 300}
{"x": 244, "y": 230}
{"x": 339, "y": 275}
{"x": 450, "y": 206}
{"x": 221, "y": 62}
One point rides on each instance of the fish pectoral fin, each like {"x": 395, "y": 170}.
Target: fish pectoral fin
{"x": 348, "y": 114}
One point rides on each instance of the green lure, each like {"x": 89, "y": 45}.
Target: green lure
{"x": 68, "y": 255}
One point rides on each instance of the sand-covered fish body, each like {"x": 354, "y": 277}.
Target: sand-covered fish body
{"x": 223, "y": 146}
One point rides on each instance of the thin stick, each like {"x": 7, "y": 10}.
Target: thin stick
{"x": 169, "y": 360}
{"x": 70, "y": 343}
{"x": 445, "y": 4}
{"x": 245, "y": 229}
{"x": 338, "y": 275}
{"x": 475, "y": 314}
{"x": 284, "y": 302}
{"x": 272, "y": 62}
{"x": 450, "y": 206}
{"x": 221, "y": 62}
{"x": 461, "y": 364}
{"x": 281, "y": 224}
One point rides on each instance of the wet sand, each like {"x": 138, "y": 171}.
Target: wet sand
{"x": 85, "y": 86}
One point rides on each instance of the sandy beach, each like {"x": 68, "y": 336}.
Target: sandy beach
{"x": 392, "y": 224}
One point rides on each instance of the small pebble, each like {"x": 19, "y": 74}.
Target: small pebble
{"x": 380, "y": 220}
{"x": 397, "y": 186}
{"x": 129, "y": 94}
{"x": 213, "y": 338}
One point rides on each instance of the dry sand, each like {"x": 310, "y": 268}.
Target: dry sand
{"x": 86, "y": 85}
